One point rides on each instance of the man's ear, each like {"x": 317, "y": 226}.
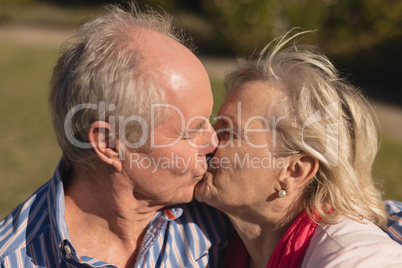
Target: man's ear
{"x": 299, "y": 170}
{"x": 97, "y": 136}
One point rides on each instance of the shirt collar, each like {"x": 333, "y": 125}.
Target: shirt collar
{"x": 173, "y": 212}
{"x": 58, "y": 223}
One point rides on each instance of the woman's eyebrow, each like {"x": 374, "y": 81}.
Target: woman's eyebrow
{"x": 227, "y": 122}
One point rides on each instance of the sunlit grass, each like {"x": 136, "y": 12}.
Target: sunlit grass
{"x": 28, "y": 147}
{"x": 388, "y": 169}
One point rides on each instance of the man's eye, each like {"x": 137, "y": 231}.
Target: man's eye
{"x": 190, "y": 134}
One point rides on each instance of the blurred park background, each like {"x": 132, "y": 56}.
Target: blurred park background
{"x": 363, "y": 38}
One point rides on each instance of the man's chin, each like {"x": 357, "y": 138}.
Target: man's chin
{"x": 198, "y": 192}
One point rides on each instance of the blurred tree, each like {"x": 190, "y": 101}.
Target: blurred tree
{"x": 361, "y": 24}
{"x": 239, "y": 26}
{"x": 249, "y": 24}
{"x": 363, "y": 37}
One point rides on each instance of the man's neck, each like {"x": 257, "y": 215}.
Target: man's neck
{"x": 104, "y": 219}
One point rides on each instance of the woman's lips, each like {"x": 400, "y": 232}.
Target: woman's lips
{"x": 208, "y": 176}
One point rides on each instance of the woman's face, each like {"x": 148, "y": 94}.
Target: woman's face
{"x": 245, "y": 167}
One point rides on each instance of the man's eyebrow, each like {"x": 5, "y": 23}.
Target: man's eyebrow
{"x": 199, "y": 126}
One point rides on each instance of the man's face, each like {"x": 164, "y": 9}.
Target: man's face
{"x": 179, "y": 152}
{"x": 177, "y": 161}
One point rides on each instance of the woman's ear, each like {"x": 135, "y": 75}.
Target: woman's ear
{"x": 103, "y": 147}
{"x": 299, "y": 170}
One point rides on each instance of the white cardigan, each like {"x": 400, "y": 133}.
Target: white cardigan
{"x": 352, "y": 244}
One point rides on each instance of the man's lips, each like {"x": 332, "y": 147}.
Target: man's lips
{"x": 211, "y": 170}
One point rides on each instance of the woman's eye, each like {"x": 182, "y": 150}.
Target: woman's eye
{"x": 225, "y": 132}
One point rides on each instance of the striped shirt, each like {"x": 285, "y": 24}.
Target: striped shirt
{"x": 394, "y": 230}
{"x": 35, "y": 235}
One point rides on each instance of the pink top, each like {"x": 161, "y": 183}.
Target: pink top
{"x": 346, "y": 244}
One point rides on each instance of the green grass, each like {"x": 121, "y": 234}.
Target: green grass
{"x": 219, "y": 96}
{"x": 28, "y": 148}
{"x": 387, "y": 168}
{"x": 28, "y": 13}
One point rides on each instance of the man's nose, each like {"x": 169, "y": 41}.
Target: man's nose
{"x": 212, "y": 141}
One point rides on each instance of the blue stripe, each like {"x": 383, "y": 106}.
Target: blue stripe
{"x": 34, "y": 235}
{"x": 204, "y": 241}
{"x": 394, "y": 230}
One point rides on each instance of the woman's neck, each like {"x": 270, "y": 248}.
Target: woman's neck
{"x": 260, "y": 231}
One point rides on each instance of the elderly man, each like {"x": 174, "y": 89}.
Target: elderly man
{"x": 130, "y": 106}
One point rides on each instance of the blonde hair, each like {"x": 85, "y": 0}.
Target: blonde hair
{"x": 327, "y": 118}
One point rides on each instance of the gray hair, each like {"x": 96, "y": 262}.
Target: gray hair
{"x": 325, "y": 117}
{"x": 101, "y": 67}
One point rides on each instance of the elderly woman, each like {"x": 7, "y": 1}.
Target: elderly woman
{"x": 293, "y": 168}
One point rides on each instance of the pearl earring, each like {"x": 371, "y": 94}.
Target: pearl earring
{"x": 282, "y": 193}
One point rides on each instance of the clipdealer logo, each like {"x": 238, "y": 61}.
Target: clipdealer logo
{"x": 331, "y": 111}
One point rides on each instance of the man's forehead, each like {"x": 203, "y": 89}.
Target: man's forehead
{"x": 176, "y": 68}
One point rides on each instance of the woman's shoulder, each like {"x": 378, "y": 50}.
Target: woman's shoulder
{"x": 352, "y": 244}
